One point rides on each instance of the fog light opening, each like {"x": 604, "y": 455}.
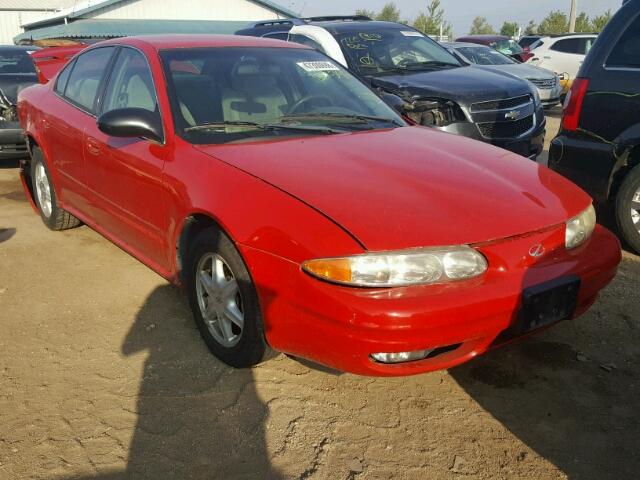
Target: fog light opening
{"x": 413, "y": 356}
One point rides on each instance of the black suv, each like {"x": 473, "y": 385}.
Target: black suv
{"x": 598, "y": 146}
{"x": 424, "y": 81}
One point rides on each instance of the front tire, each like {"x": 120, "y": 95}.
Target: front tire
{"x": 224, "y": 301}
{"x": 628, "y": 209}
{"x": 54, "y": 217}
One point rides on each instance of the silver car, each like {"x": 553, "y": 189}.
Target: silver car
{"x": 546, "y": 81}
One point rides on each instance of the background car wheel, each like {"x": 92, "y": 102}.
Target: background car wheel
{"x": 628, "y": 209}
{"x": 224, "y": 301}
{"x": 44, "y": 194}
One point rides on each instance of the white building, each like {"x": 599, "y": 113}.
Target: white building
{"x": 14, "y": 13}
{"x": 119, "y": 10}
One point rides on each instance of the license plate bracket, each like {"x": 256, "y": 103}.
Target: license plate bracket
{"x": 548, "y": 303}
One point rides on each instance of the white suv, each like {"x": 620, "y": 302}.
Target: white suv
{"x": 562, "y": 54}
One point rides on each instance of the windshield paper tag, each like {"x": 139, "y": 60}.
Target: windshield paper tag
{"x": 411, "y": 33}
{"x": 318, "y": 66}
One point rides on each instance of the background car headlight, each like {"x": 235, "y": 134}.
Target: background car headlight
{"x": 395, "y": 269}
{"x": 580, "y": 228}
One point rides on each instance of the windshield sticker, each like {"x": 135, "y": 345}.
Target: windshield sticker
{"x": 411, "y": 33}
{"x": 318, "y": 66}
{"x": 357, "y": 42}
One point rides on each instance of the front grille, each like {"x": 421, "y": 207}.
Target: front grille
{"x": 501, "y": 104}
{"x": 506, "y": 129}
{"x": 545, "y": 84}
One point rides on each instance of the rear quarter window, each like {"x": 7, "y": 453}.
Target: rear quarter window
{"x": 63, "y": 78}
{"x": 626, "y": 52}
{"x": 569, "y": 45}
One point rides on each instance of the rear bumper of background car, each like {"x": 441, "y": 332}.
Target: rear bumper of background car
{"x": 12, "y": 141}
{"x": 341, "y": 326}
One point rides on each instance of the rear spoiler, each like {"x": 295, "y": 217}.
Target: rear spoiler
{"x": 49, "y": 61}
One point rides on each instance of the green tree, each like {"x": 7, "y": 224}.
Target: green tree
{"x": 583, "y": 23}
{"x": 555, "y": 22}
{"x": 480, "y": 26}
{"x": 429, "y": 22}
{"x": 509, "y": 29}
{"x": 389, "y": 13}
{"x": 531, "y": 28}
{"x": 366, "y": 13}
{"x": 598, "y": 23}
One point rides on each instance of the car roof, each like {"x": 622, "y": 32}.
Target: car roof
{"x": 486, "y": 37}
{"x": 561, "y": 35}
{"x": 164, "y": 42}
{"x": 365, "y": 25}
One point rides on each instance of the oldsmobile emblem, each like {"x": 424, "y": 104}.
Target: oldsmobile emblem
{"x": 536, "y": 250}
{"x": 512, "y": 115}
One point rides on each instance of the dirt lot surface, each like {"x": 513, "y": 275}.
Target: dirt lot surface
{"x": 103, "y": 376}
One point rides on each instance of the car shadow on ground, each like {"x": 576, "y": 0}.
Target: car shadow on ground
{"x": 196, "y": 418}
{"x": 571, "y": 393}
{"x": 6, "y": 234}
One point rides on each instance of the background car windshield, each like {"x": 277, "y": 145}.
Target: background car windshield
{"x": 370, "y": 52}
{"x": 16, "y": 61}
{"x": 485, "y": 56}
{"x": 508, "y": 47}
{"x": 286, "y": 87}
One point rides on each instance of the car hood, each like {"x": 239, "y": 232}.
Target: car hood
{"x": 521, "y": 70}
{"x": 463, "y": 85}
{"x": 412, "y": 186}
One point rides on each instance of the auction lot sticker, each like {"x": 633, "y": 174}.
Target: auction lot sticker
{"x": 318, "y": 66}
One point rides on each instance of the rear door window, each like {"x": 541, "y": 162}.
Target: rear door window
{"x": 63, "y": 78}
{"x": 626, "y": 52}
{"x": 86, "y": 76}
{"x": 569, "y": 45}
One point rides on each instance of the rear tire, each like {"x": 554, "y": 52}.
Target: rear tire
{"x": 628, "y": 209}
{"x": 54, "y": 217}
{"x": 224, "y": 301}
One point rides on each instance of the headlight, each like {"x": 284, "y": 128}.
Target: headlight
{"x": 396, "y": 269}
{"x": 580, "y": 228}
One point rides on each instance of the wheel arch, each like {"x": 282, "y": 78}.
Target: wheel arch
{"x": 632, "y": 160}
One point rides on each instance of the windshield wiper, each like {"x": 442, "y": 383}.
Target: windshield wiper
{"x": 260, "y": 126}
{"x": 428, "y": 64}
{"x": 345, "y": 116}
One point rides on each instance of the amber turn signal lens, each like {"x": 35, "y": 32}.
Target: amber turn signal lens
{"x": 337, "y": 269}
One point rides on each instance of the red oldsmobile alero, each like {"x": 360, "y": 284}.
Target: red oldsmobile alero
{"x": 301, "y": 212}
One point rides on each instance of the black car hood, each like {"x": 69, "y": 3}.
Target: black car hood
{"x": 12, "y": 83}
{"x": 463, "y": 85}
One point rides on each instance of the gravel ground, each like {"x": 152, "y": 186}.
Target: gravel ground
{"x": 103, "y": 376}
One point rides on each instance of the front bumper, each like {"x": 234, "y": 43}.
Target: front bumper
{"x": 341, "y": 326}
{"x": 530, "y": 145}
{"x": 12, "y": 141}
{"x": 550, "y": 97}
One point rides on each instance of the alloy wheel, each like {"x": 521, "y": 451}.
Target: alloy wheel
{"x": 43, "y": 190}
{"x": 219, "y": 299}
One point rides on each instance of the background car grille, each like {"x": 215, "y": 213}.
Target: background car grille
{"x": 506, "y": 129}
{"x": 545, "y": 84}
{"x": 501, "y": 104}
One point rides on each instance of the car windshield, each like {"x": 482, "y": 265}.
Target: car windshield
{"x": 485, "y": 56}
{"x": 16, "y": 61}
{"x": 508, "y": 47}
{"x": 392, "y": 50}
{"x": 222, "y": 95}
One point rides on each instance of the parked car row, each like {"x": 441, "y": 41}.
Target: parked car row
{"x": 306, "y": 196}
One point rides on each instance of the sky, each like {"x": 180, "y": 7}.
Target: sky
{"x": 459, "y": 12}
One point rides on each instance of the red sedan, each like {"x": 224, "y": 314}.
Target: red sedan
{"x": 301, "y": 212}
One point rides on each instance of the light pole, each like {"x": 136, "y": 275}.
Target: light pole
{"x": 572, "y": 16}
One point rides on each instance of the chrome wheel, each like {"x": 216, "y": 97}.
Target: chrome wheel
{"x": 43, "y": 190}
{"x": 635, "y": 210}
{"x": 219, "y": 299}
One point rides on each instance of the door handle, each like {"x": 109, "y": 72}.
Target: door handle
{"x": 93, "y": 146}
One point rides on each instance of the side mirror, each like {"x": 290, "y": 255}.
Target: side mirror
{"x": 131, "y": 122}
